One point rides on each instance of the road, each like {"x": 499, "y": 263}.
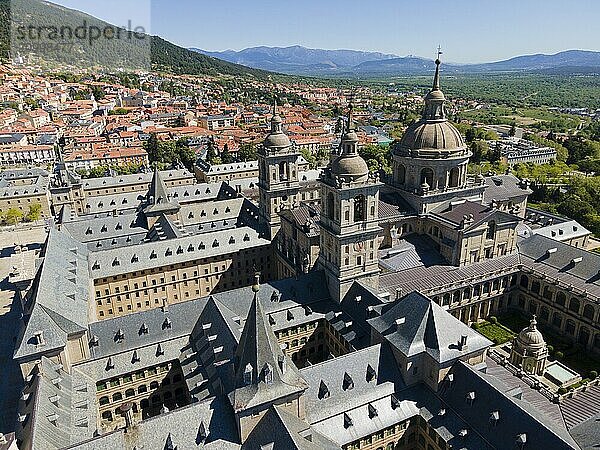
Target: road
{"x": 10, "y": 312}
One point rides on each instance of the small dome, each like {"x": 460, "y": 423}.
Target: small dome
{"x": 432, "y": 136}
{"x": 531, "y": 336}
{"x": 435, "y": 95}
{"x": 277, "y": 140}
{"x": 350, "y": 167}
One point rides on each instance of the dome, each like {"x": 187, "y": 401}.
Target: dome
{"x": 277, "y": 140}
{"x": 351, "y": 167}
{"x": 428, "y": 135}
{"x": 531, "y": 336}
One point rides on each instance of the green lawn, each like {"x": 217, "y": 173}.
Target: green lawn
{"x": 495, "y": 332}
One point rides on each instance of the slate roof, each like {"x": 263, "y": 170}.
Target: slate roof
{"x": 454, "y": 211}
{"x": 426, "y": 327}
{"x": 58, "y": 411}
{"x": 412, "y": 251}
{"x": 504, "y": 188}
{"x": 111, "y": 262}
{"x": 259, "y": 352}
{"x": 445, "y": 277}
{"x": 137, "y": 178}
{"x": 515, "y": 416}
{"x": 563, "y": 231}
{"x": 182, "y": 428}
{"x": 283, "y": 431}
{"x": 573, "y": 267}
{"x": 58, "y": 299}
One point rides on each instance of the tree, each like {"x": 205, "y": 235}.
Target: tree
{"x": 226, "y": 156}
{"x": 309, "y": 157}
{"x": 211, "y": 152}
{"x": 247, "y": 152}
{"x": 513, "y": 130}
{"x": 13, "y": 216}
{"x": 34, "y": 213}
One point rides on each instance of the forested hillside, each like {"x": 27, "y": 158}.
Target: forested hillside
{"x": 127, "y": 52}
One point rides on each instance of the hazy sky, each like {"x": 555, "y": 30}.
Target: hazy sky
{"x": 468, "y": 30}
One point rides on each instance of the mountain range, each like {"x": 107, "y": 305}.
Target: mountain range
{"x": 298, "y": 60}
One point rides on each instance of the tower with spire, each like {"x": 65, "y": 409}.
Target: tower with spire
{"x": 277, "y": 175}
{"x": 264, "y": 375}
{"x": 349, "y": 218}
{"x": 159, "y": 202}
{"x": 430, "y": 162}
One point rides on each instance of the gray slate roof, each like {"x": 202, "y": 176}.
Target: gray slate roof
{"x": 426, "y": 328}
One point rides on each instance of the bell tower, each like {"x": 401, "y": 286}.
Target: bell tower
{"x": 349, "y": 219}
{"x": 277, "y": 176}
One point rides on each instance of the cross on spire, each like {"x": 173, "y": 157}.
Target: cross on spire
{"x": 436, "y": 78}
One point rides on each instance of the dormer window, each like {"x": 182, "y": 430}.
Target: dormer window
{"x": 348, "y": 382}
{"x": 371, "y": 374}
{"x": 323, "y": 390}
{"x": 268, "y": 374}
{"x": 248, "y": 374}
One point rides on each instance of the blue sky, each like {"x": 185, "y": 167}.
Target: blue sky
{"x": 468, "y": 30}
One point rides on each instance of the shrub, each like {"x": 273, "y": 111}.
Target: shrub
{"x": 475, "y": 326}
{"x": 559, "y": 355}
{"x": 550, "y": 349}
{"x": 494, "y": 320}
{"x": 593, "y": 374}
{"x": 562, "y": 391}
{"x": 496, "y": 341}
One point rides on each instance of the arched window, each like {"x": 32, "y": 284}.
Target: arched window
{"x": 561, "y": 298}
{"x": 454, "y": 177}
{"x": 107, "y": 415}
{"x": 524, "y": 281}
{"x": 544, "y": 314}
{"x": 129, "y": 393}
{"x": 535, "y": 287}
{"x": 400, "y": 174}
{"x": 588, "y": 312}
{"x": 574, "y": 305}
{"x": 570, "y": 327}
{"x": 446, "y": 299}
{"x": 491, "y": 230}
{"x": 143, "y": 388}
{"x": 154, "y": 385}
{"x": 104, "y": 401}
{"x": 117, "y": 396}
{"x": 427, "y": 176}
{"x": 330, "y": 206}
{"x": 144, "y": 403}
{"x": 359, "y": 208}
{"x": 283, "y": 175}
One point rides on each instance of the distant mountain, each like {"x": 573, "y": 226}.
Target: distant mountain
{"x": 305, "y": 61}
{"x": 567, "y": 59}
{"x": 297, "y": 59}
{"x": 161, "y": 54}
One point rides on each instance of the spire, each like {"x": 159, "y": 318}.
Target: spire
{"x": 350, "y": 125}
{"x": 434, "y": 100}
{"x": 158, "y": 189}
{"x": 436, "y": 78}
{"x": 276, "y": 139}
{"x": 260, "y": 364}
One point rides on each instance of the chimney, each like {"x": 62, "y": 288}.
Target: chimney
{"x": 39, "y": 338}
{"x": 399, "y": 322}
{"x": 463, "y": 342}
{"x": 127, "y": 411}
